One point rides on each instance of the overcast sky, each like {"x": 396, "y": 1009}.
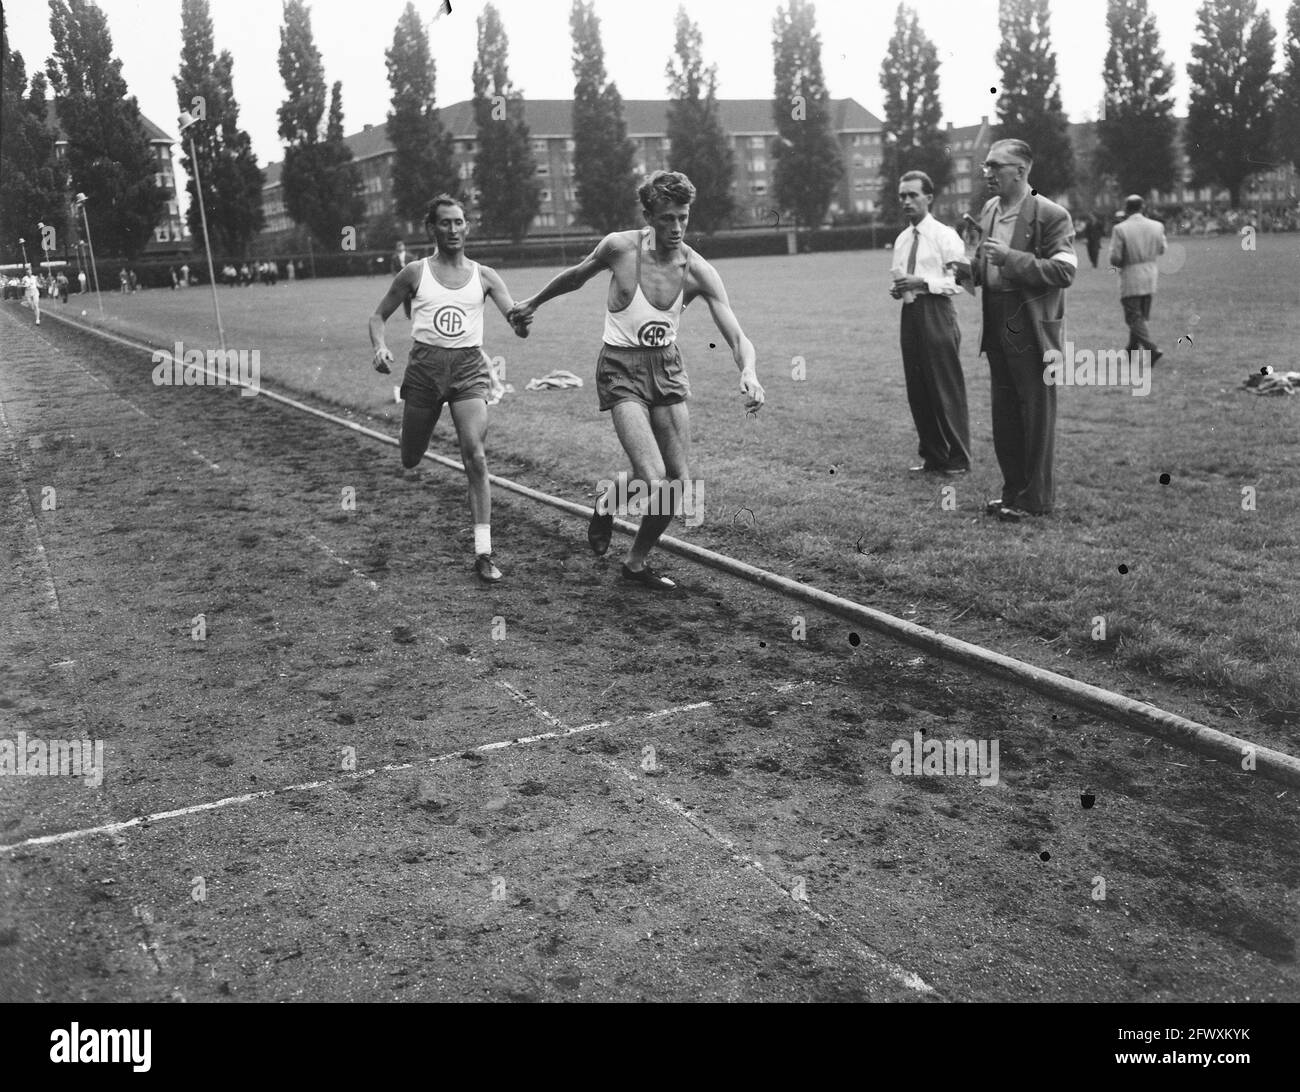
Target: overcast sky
{"x": 638, "y": 40}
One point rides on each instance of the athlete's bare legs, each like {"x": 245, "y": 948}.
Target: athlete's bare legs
{"x": 471, "y": 417}
{"x": 417, "y": 431}
{"x": 657, "y": 441}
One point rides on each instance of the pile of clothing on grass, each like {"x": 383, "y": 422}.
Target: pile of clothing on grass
{"x": 1269, "y": 381}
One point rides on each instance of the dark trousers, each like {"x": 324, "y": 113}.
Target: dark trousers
{"x": 1024, "y": 407}
{"x": 936, "y": 390}
{"x": 1137, "y": 309}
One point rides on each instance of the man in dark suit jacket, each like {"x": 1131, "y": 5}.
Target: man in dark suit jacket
{"x": 1092, "y": 234}
{"x": 1025, "y": 261}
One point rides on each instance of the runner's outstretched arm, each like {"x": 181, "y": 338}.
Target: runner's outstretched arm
{"x": 400, "y": 291}
{"x": 572, "y": 278}
{"x": 496, "y": 288}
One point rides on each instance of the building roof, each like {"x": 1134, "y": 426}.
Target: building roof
{"x": 644, "y": 117}
{"x": 154, "y": 132}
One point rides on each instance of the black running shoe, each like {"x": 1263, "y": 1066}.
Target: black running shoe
{"x": 599, "y": 531}
{"x": 486, "y": 569}
{"x": 649, "y": 578}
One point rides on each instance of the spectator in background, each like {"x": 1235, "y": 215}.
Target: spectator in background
{"x": 400, "y": 257}
{"x": 1092, "y": 232}
{"x": 123, "y": 281}
{"x": 1025, "y": 262}
{"x": 61, "y": 283}
{"x": 185, "y": 275}
{"x": 1134, "y": 247}
{"x": 925, "y": 257}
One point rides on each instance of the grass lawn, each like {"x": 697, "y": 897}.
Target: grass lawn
{"x": 1209, "y": 600}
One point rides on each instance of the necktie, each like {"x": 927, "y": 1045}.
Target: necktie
{"x": 911, "y": 257}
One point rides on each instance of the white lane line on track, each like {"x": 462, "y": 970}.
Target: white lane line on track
{"x": 909, "y": 979}
{"x": 306, "y": 786}
{"x": 21, "y": 503}
{"x": 354, "y": 571}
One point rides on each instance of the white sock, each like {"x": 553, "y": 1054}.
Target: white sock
{"x": 482, "y": 538}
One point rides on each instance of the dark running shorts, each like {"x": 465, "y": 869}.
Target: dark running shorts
{"x": 653, "y": 377}
{"x": 435, "y": 375}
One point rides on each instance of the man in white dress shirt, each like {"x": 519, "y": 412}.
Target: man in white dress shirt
{"x": 926, "y": 257}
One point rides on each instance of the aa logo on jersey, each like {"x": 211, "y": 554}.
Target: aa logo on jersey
{"x": 449, "y": 321}
{"x": 654, "y": 334}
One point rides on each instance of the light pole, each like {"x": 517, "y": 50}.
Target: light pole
{"x": 80, "y": 203}
{"x": 185, "y": 120}
{"x": 41, "y": 228}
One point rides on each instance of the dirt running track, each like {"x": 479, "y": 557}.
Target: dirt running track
{"x": 723, "y": 826}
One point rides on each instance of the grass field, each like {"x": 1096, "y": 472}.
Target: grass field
{"x": 1208, "y": 601}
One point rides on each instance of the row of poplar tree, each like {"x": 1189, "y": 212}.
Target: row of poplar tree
{"x": 1242, "y": 118}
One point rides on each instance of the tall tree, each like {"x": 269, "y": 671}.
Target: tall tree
{"x": 109, "y": 155}
{"x": 1287, "y": 113}
{"x": 1229, "y": 122}
{"x": 909, "y": 76}
{"x": 1136, "y": 132}
{"x": 423, "y": 161}
{"x": 699, "y": 147}
{"x": 808, "y": 161}
{"x": 1029, "y": 106}
{"x": 505, "y": 172}
{"x": 232, "y": 180}
{"x": 603, "y": 157}
{"x": 320, "y": 181}
{"x": 32, "y": 184}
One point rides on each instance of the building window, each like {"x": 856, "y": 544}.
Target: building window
{"x": 757, "y": 165}
{"x": 569, "y": 146}
{"x": 758, "y": 189}
{"x": 544, "y": 219}
{"x": 160, "y": 233}
{"x": 860, "y": 161}
{"x": 756, "y": 142}
{"x": 539, "y": 147}
{"x": 545, "y": 196}
{"x": 544, "y": 169}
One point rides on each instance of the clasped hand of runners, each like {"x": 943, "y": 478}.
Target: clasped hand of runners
{"x": 752, "y": 389}
{"x": 382, "y": 358}
{"x": 520, "y": 317}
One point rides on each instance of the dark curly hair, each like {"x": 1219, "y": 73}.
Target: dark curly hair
{"x": 671, "y": 186}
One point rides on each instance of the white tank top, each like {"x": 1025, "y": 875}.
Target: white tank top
{"x": 451, "y": 318}
{"x": 641, "y": 324}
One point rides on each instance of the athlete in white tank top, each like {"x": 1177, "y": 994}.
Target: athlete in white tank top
{"x": 642, "y": 325}
{"x": 447, "y": 326}
{"x": 451, "y": 318}
{"x": 655, "y": 434}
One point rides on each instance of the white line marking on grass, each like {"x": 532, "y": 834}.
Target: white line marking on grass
{"x": 21, "y": 503}
{"x": 355, "y": 572}
{"x": 202, "y": 459}
{"x": 305, "y": 786}
{"x": 910, "y": 979}
{"x": 902, "y": 975}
